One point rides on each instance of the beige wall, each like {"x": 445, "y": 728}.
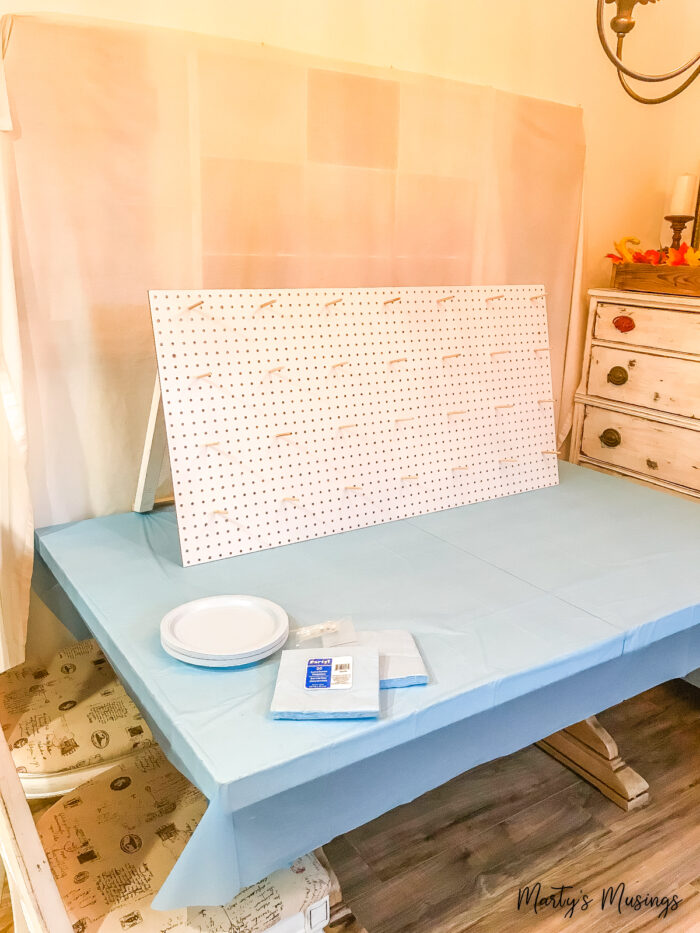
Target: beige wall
{"x": 543, "y": 48}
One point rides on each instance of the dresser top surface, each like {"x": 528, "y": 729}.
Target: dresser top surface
{"x": 646, "y": 299}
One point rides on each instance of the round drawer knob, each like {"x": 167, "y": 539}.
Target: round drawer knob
{"x": 611, "y": 438}
{"x": 624, "y": 323}
{"x": 618, "y": 375}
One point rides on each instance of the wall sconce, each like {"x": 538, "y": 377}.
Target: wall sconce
{"x": 623, "y": 23}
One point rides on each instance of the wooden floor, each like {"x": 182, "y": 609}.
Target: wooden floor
{"x": 455, "y": 859}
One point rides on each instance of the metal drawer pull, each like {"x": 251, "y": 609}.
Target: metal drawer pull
{"x": 611, "y": 438}
{"x": 618, "y": 375}
{"x": 624, "y": 323}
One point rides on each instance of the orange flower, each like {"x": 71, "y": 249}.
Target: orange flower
{"x": 614, "y": 257}
{"x": 678, "y": 257}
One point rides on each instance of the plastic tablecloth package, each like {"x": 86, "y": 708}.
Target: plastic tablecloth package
{"x": 342, "y": 683}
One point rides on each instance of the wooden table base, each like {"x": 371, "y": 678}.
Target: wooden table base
{"x": 342, "y": 918}
{"x": 589, "y": 750}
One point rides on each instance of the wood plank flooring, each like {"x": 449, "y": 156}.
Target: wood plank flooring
{"x": 454, "y": 860}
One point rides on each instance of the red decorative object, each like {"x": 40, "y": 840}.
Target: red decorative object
{"x": 623, "y": 323}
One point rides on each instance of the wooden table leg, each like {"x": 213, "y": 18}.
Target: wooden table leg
{"x": 343, "y": 920}
{"x": 589, "y": 750}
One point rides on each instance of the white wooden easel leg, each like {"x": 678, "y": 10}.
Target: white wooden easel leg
{"x": 155, "y": 445}
{"x": 589, "y": 750}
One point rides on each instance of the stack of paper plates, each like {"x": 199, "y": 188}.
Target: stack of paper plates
{"x": 224, "y": 631}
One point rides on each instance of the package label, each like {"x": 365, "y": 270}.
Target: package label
{"x": 329, "y": 673}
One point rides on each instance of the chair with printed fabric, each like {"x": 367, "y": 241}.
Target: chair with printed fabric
{"x": 67, "y": 721}
{"x": 111, "y": 843}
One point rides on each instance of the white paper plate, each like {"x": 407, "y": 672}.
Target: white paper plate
{"x": 218, "y": 662}
{"x": 242, "y": 659}
{"x": 225, "y": 627}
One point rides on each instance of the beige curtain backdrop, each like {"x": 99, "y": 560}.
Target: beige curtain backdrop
{"x": 142, "y": 158}
{"x": 16, "y": 528}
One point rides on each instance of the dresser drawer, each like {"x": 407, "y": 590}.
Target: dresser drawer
{"x": 648, "y": 327}
{"x": 660, "y": 382}
{"x": 650, "y": 448}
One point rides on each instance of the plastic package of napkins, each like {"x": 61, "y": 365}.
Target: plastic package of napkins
{"x": 400, "y": 662}
{"x": 338, "y": 683}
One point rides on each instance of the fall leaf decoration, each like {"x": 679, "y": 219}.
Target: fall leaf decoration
{"x": 668, "y": 256}
{"x": 624, "y": 250}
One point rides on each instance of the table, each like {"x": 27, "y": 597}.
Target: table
{"x": 531, "y": 612}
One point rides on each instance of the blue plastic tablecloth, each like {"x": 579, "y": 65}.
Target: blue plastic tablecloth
{"x": 530, "y": 611}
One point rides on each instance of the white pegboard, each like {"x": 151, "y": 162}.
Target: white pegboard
{"x": 293, "y": 414}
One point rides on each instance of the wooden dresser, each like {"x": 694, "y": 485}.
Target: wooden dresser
{"x": 637, "y": 409}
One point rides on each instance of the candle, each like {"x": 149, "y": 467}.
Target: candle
{"x": 683, "y": 197}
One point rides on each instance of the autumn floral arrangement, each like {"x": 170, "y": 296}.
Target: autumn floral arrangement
{"x": 628, "y": 251}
